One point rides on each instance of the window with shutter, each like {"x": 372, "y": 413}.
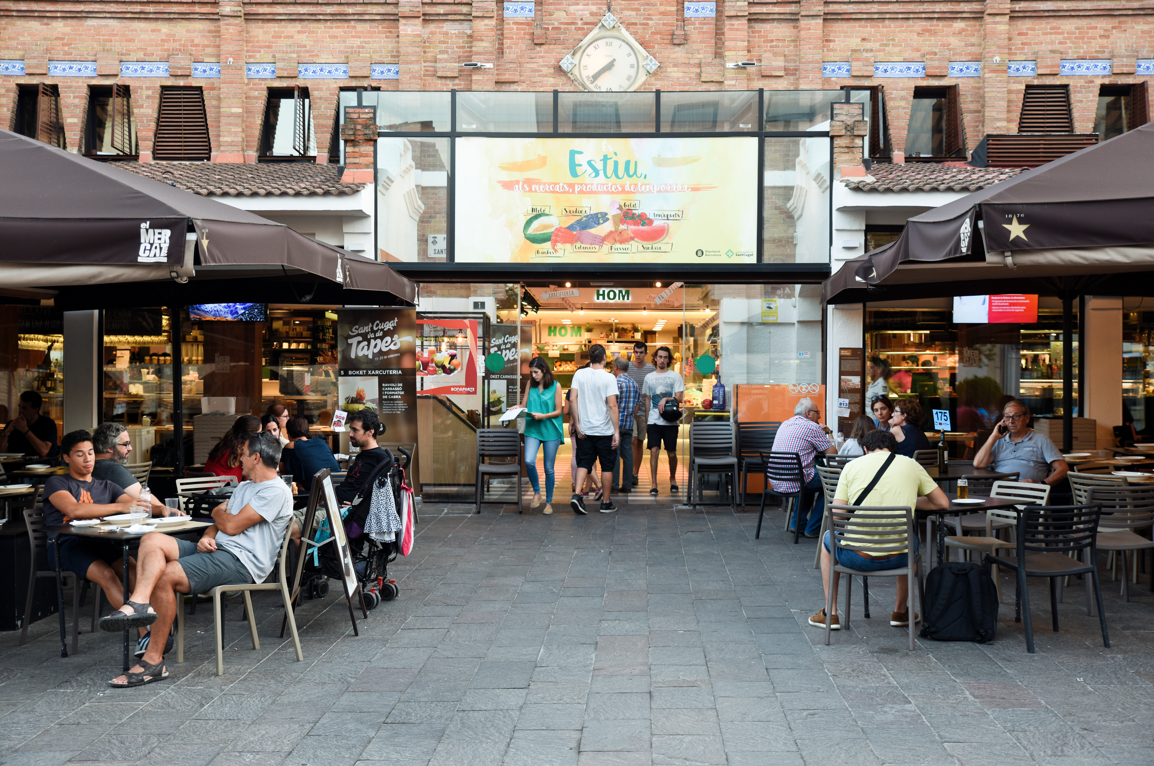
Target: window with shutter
{"x": 181, "y": 126}
{"x": 935, "y": 129}
{"x": 1046, "y": 109}
{"x": 287, "y": 132}
{"x": 1120, "y": 108}
{"x": 879, "y": 138}
{"x": 109, "y": 128}
{"x": 37, "y": 114}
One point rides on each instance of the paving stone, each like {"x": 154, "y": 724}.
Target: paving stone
{"x": 533, "y": 748}
{"x": 614, "y": 736}
{"x": 617, "y": 707}
{"x": 551, "y": 716}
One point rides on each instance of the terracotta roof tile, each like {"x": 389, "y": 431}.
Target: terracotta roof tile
{"x": 299, "y": 179}
{"x": 929, "y": 176}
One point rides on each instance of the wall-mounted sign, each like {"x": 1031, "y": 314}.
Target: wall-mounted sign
{"x": 606, "y": 200}
{"x": 664, "y": 294}
{"x": 377, "y": 364}
{"x": 564, "y": 331}
{"x": 554, "y": 294}
{"x": 612, "y": 295}
{"x": 769, "y": 311}
{"x": 438, "y": 245}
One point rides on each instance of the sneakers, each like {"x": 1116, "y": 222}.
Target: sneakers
{"x": 577, "y": 503}
{"x": 536, "y": 501}
{"x": 548, "y": 509}
{"x": 653, "y": 491}
{"x": 818, "y": 621}
{"x": 596, "y": 494}
{"x": 902, "y": 619}
{"x": 673, "y": 488}
{"x": 636, "y": 480}
{"x": 608, "y": 507}
{"x": 142, "y": 643}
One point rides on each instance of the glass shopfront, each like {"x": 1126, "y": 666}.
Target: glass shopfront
{"x": 32, "y": 359}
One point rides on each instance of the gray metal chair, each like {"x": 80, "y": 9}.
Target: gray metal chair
{"x": 140, "y": 471}
{"x": 1082, "y": 483}
{"x": 839, "y": 461}
{"x": 753, "y": 439}
{"x": 498, "y": 444}
{"x": 926, "y": 457}
{"x": 782, "y": 467}
{"x": 712, "y": 449}
{"x": 1126, "y": 511}
{"x": 881, "y": 531}
{"x": 38, "y": 547}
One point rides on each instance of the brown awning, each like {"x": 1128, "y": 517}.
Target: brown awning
{"x": 69, "y": 221}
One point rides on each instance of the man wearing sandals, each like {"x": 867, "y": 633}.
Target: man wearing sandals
{"x": 239, "y": 548}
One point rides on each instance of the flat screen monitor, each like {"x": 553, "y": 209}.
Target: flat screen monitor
{"x": 996, "y": 309}
{"x": 228, "y": 312}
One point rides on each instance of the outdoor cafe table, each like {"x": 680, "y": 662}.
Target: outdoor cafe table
{"x": 961, "y": 509}
{"x": 126, "y": 539}
{"x": 955, "y": 472}
{"x": 8, "y": 494}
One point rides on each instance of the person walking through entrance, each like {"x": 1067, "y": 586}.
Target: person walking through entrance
{"x": 595, "y": 421}
{"x": 660, "y": 386}
{"x": 638, "y": 369}
{"x": 628, "y": 399}
{"x": 543, "y": 407}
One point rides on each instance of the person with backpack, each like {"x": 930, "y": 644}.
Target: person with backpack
{"x": 880, "y": 478}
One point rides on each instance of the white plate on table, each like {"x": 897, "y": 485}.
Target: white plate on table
{"x": 1132, "y": 457}
{"x": 126, "y": 518}
{"x": 1076, "y": 454}
{"x": 37, "y": 467}
{"x": 170, "y": 519}
{"x": 15, "y": 486}
{"x": 1133, "y": 474}
{"x": 85, "y": 522}
{"x": 970, "y": 501}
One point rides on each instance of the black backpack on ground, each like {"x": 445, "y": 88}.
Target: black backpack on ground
{"x": 961, "y": 603}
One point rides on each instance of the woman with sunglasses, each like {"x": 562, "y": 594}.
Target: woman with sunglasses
{"x": 906, "y": 426}
{"x": 543, "y": 406}
{"x": 882, "y": 409}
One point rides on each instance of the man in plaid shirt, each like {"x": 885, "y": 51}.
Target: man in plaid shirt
{"x": 804, "y": 434}
{"x": 628, "y": 397}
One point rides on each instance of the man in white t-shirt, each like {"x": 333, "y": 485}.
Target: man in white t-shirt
{"x": 660, "y": 386}
{"x": 593, "y": 410}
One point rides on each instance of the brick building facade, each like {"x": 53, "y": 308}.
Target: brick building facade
{"x": 235, "y": 51}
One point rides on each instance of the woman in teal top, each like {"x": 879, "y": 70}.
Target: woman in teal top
{"x": 542, "y": 403}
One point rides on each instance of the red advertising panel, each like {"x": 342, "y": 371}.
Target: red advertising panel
{"x": 1013, "y": 309}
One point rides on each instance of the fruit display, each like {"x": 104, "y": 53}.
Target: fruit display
{"x": 357, "y": 402}
{"x": 438, "y": 362}
{"x": 624, "y": 227}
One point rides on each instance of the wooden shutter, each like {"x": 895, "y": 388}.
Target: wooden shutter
{"x": 1046, "y": 109}
{"x": 955, "y": 130}
{"x": 1139, "y": 109}
{"x": 120, "y": 120}
{"x": 49, "y": 126}
{"x": 181, "y": 126}
{"x": 1030, "y": 151}
{"x": 301, "y": 121}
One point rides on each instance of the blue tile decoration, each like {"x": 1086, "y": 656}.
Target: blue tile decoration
{"x": 1086, "y": 67}
{"x": 206, "y": 69}
{"x": 71, "y": 68}
{"x": 1145, "y": 67}
{"x": 965, "y": 69}
{"x": 900, "y": 69}
{"x": 14, "y": 67}
{"x": 260, "y": 71}
{"x": 1022, "y": 69}
{"x": 519, "y": 10}
{"x": 144, "y": 69}
{"x": 323, "y": 71}
{"x": 835, "y": 69}
{"x": 700, "y": 10}
{"x": 385, "y": 71}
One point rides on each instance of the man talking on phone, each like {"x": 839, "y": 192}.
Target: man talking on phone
{"x": 1014, "y": 446}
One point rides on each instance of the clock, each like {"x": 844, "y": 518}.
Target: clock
{"x": 609, "y": 59}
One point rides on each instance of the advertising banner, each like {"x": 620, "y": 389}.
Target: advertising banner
{"x": 615, "y": 200}
{"x": 448, "y": 357}
{"x": 502, "y": 367}
{"x": 849, "y": 375}
{"x": 377, "y": 363}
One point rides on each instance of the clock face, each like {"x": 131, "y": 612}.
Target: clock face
{"x": 609, "y": 63}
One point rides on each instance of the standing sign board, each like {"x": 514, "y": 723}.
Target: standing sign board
{"x": 344, "y": 553}
{"x": 377, "y": 362}
{"x": 850, "y": 387}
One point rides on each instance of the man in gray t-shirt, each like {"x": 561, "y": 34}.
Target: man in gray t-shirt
{"x": 638, "y": 369}
{"x": 241, "y": 546}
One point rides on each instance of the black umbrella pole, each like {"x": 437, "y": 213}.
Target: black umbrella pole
{"x": 1067, "y": 370}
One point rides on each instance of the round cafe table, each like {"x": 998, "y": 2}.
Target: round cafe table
{"x": 961, "y": 509}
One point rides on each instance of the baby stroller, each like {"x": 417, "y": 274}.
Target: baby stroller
{"x": 371, "y": 552}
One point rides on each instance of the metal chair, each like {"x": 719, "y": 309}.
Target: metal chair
{"x": 201, "y": 484}
{"x": 829, "y": 478}
{"x": 498, "y": 444}
{"x": 876, "y": 530}
{"x": 979, "y": 484}
{"x": 839, "y": 461}
{"x": 782, "y": 467}
{"x": 712, "y": 449}
{"x": 140, "y": 471}
{"x": 926, "y": 457}
{"x": 752, "y": 440}
{"x": 1081, "y": 484}
{"x": 1127, "y": 510}
{"x": 38, "y": 547}
{"x": 1047, "y": 540}
{"x": 281, "y": 584}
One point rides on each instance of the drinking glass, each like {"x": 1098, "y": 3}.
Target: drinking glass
{"x": 172, "y": 506}
{"x": 963, "y": 489}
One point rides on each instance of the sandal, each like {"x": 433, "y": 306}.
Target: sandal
{"x": 142, "y": 616}
{"x": 146, "y": 675}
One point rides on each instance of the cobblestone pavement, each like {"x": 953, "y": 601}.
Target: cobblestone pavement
{"x": 652, "y": 635}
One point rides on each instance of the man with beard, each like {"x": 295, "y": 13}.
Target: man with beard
{"x": 660, "y": 386}
{"x": 364, "y": 428}
{"x": 113, "y": 444}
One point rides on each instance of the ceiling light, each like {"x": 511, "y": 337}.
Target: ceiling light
{"x": 568, "y": 284}
{"x": 581, "y": 312}
{"x": 644, "y": 312}
{"x": 657, "y": 284}
{"x": 566, "y": 321}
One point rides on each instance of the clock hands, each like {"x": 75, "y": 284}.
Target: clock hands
{"x": 603, "y": 70}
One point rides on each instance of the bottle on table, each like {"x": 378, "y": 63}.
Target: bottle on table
{"x": 943, "y": 455}
{"x": 144, "y": 502}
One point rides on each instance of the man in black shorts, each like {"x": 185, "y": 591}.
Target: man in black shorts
{"x": 593, "y": 413}
{"x": 77, "y": 495}
{"x": 660, "y": 386}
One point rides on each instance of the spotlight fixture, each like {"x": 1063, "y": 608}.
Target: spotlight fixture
{"x": 567, "y": 284}
{"x": 644, "y": 312}
{"x": 657, "y": 284}
{"x": 581, "y": 312}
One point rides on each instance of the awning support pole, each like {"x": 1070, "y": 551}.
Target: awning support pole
{"x": 1067, "y": 365}
{"x": 177, "y": 337}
